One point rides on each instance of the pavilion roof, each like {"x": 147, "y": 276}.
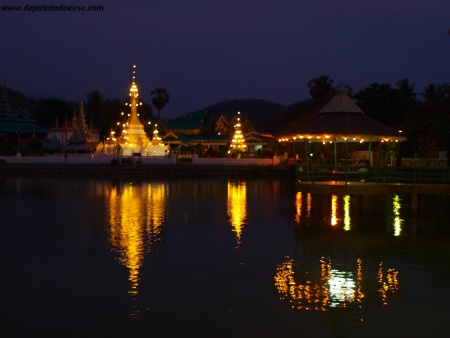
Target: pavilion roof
{"x": 192, "y": 121}
{"x": 342, "y": 119}
{"x": 15, "y": 125}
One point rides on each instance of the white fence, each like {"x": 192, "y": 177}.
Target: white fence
{"x": 149, "y": 160}
{"x": 82, "y": 159}
{"x": 231, "y": 161}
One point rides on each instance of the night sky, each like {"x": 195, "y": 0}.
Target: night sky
{"x": 205, "y": 51}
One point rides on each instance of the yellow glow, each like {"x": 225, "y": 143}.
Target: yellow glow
{"x": 388, "y": 283}
{"x": 397, "y": 220}
{"x": 298, "y": 207}
{"x": 237, "y": 207}
{"x": 308, "y": 204}
{"x": 136, "y": 216}
{"x": 310, "y": 291}
{"x": 325, "y": 288}
{"x": 334, "y": 207}
{"x": 347, "y": 212}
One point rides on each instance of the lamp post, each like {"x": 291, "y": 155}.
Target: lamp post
{"x": 18, "y": 141}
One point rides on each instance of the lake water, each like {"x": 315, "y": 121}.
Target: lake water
{"x": 218, "y": 258}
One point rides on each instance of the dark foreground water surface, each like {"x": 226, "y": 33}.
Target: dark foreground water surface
{"x": 218, "y": 258}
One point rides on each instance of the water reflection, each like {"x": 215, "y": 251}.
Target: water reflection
{"x": 237, "y": 207}
{"x": 346, "y": 212}
{"x": 299, "y": 206}
{"x": 136, "y": 216}
{"x": 329, "y": 287}
{"x": 388, "y": 282}
{"x": 334, "y": 210}
{"x": 335, "y": 286}
{"x": 397, "y": 220}
{"x": 340, "y": 210}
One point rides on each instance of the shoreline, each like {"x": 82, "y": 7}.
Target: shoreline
{"x": 147, "y": 171}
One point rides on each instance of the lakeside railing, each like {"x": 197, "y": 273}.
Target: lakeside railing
{"x": 386, "y": 174}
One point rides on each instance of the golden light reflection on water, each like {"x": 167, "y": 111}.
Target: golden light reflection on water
{"x": 334, "y": 207}
{"x": 330, "y": 288}
{"x": 388, "y": 283}
{"x": 136, "y": 215}
{"x": 340, "y": 214}
{"x": 299, "y": 206}
{"x": 347, "y": 212}
{"x": 397, "y": 220}
{"x": 237, "y": 207}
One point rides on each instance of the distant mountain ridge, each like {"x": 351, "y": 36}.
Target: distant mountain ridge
{"x": 263, "y": 115}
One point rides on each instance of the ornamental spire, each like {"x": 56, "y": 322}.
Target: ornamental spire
{"x": 134, "y": 93}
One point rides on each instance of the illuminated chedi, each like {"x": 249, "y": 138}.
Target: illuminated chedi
{"x": 238, "y": 145}
{"x": 134, "y": 139}
{"x": 156, "y": 147}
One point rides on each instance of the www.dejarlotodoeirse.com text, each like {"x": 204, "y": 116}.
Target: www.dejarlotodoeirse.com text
{"x": 52, "y": 8}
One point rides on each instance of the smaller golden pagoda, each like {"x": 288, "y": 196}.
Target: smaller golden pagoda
{"x": 238, "y": 145}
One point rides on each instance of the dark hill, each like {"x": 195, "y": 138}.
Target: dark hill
{"x": 263, "y": 115}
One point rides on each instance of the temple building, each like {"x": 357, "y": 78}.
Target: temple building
{"x": 17, "y": 127}
{"x": 134, "y": 139}
{"x": 63, "y": 131}
{"x": 82, "y": 139}
{"x": 195, "y": 131}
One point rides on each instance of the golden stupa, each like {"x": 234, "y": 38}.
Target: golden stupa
{"x": 134, "y": 139}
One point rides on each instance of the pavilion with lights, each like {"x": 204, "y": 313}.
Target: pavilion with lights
{"x": 341, "y": 121}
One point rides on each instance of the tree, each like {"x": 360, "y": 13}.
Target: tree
{"x": 160, "y": 98}
{"x": 406, "y": 89}
{"x": 382, "y": 102}
{"x": 51, "y": 109}
{"x": 321, "y": 89}
{"x": 435, "y": 116}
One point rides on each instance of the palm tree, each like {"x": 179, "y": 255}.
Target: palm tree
{"x": 406, "y": 88}
{"x": 321, "y": 89}
{"x": 160, "y": 98}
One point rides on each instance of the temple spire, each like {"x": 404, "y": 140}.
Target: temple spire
{"x": 134, "y": 93}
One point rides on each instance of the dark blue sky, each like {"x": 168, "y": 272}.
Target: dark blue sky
{"x": 204, "y": 51}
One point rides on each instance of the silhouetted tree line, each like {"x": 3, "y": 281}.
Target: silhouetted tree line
{"x": 424, "y": 117}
